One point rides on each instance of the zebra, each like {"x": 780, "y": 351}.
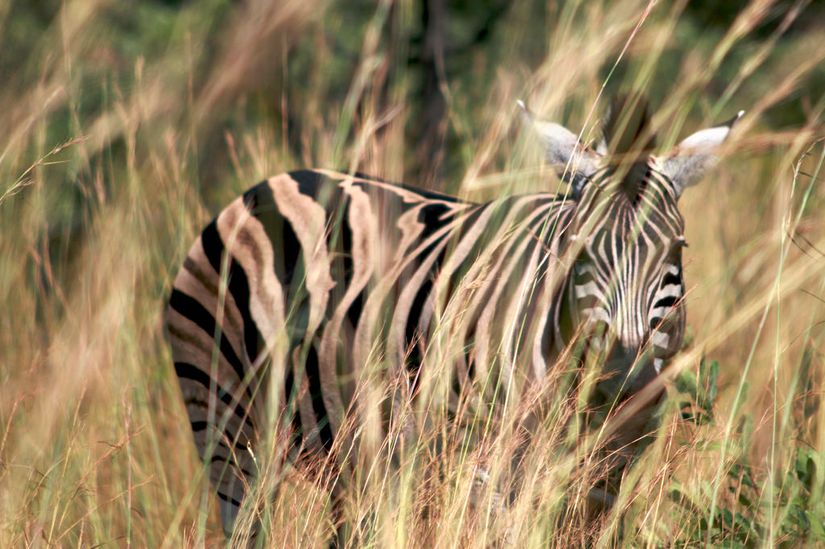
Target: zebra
{"x": 301, "y": 281}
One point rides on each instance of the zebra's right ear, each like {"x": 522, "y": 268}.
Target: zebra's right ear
{"x": 696, "y": 154}
{"x": 574, "y": 162}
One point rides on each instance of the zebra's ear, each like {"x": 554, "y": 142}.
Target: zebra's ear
{"x": 574, "y": 161}
{"x": 696, "y": 154}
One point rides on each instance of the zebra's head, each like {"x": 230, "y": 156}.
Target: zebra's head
{"x": 625, "y": 289}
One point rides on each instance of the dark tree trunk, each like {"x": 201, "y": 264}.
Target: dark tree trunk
{"x": 432, "y": 126}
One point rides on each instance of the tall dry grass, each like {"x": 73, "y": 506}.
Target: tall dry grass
{"x": 123, "y": 132}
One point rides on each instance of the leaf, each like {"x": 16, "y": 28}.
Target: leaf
{"x": 817, "y": 522}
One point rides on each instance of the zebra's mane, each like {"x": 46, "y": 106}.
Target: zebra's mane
{"x": 629, "y": 141}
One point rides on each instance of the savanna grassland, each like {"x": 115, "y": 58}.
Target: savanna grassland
{"x": 125, "y": 126}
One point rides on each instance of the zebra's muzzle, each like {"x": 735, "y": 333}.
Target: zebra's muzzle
{"x": 627, "y": 370}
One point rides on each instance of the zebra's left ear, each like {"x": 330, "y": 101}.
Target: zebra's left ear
{"x": 696, "y": 154}
{"x": 574, "y": 162}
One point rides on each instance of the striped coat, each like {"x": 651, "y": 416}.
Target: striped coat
{"x": 316, "y": 287}
{"x": 307, "y": 269}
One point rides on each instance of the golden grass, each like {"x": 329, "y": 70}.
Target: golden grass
{"x": 114, "y": 154}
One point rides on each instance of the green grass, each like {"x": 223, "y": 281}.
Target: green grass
{"x": 125, "y": 129}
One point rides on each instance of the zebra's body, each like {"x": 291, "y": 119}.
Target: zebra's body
{"x": 312, "y": 275}
{"x": 432, "y": 244}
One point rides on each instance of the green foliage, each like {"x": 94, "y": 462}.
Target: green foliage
{"x": 700, "y": 388}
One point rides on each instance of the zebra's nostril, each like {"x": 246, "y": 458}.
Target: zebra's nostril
{"x": 621, "y": 357}
{"x": 628, "y": 369}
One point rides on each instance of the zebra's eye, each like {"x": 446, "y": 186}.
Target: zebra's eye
{"x": 680, "y": 243}
{"x": 581, "y": 265}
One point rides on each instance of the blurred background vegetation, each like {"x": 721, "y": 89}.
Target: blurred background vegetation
{"x": 440, "y": 60}
{"x": 126, "y": 125}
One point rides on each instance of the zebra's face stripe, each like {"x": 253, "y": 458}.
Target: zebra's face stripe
{"x": 627, "y": 282}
